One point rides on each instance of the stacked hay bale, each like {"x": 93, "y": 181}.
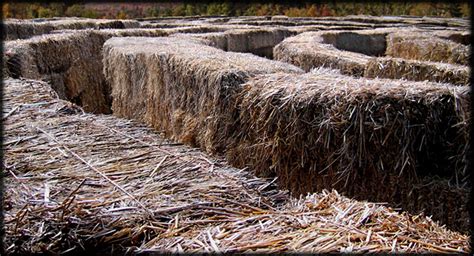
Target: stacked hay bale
{"x": 309, "y": 50}
{"x": 383, "y": 140}
{"x": 70, "y": 61}
{"x": 254, "y": 40}
{"x": 360, "y": 54}
{"x": 21, "y": 29}
{"x": 398, "y": 68}
{"x": 62, "y": 59}
{"x": 426, "y": 47}
{"x": 181, "y": 86}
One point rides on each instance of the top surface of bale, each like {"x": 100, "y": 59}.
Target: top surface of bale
{"x": 313, "y": 42}
{"x": 195, "y": 50}
{"x": 192, "y": 201}
{"x": 339, "y": 88}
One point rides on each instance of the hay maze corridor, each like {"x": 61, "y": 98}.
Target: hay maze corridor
{"x": 150, "y": 135}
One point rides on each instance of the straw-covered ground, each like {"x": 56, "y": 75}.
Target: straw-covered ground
{"x": 76, "y": 181}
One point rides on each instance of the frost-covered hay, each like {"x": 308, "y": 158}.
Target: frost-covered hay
{"x": 83, "y": 183}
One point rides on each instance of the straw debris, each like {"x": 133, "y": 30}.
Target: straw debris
{"x": 198, "y": 203}
{"x": 321, "y": 130}
{"x": 397, "y": 68}
{"x": 21, "y": 29}
{"x": 188, "y": 87}
{"x": 427, "y": 47}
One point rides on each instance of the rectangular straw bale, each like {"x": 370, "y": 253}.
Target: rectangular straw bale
{"x": 257, "y": 41}
{"x": 371, "y": 139}
{"x": 23, "y": 29}
{"x": 308, "y": 51}
{"x": 70, "y": 61}
{"x": 397, "y": 68}
{"x": 181, "y": 86}
{"x": 427, "y": 47}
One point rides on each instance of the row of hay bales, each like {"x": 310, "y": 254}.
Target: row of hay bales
{"x": 259, "y": 41}
{"x": 361, "y": 21}
{"x": 384, "y": 53}
{"x": 181, "y": 86}
{"x": 382, "y": 140}
{"x": 71, "y": 60}
{"x": 23, "y": 29}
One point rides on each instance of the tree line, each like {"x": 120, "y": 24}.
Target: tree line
{"x": 48, "y": 10}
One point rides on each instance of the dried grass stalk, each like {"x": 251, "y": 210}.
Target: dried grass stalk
{"x": 397, "y": 68}
{"x": 427, "y": 47}
{"x": 71, "y": 61}
{"x": 257, "y": 41}
{"x": 181, "y": 87}
{"x": 370, "y": 139}
{"x": 199, "y": 203}
{"x": 21, "y": 29}
{"x": 351, "y": 52}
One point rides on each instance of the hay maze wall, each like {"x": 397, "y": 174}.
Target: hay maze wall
{"x": 376, "y": 108}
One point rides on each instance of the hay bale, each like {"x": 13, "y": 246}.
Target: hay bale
{"x": 70, "y": 61}
{"x": 308, "y": 51}
{"x": 279, "y": 17}
{"x": 426, "y": 47}
{"x": 23, "y": 29}
{"x": 231, "y": 207}
{"x": 396, "y": 68}
{"x": 350, "y": 52}
{"x": 371, "y": 139}
{"x": 181, "y": 87}
{"x": 257, "y": 41}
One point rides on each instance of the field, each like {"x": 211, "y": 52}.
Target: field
{"x": 236, "y": 134}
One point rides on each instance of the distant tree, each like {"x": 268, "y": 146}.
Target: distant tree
{"x": 75, "y": 10}
{"x": 251, "y": 10}
{"x": 6, "y": 11}
{"x": 295, "y": 12}
{"x": 218, "y": 9}
{"x": 190, "y": 10}
{"x": 167, "y": 12}
{"x": 455, "y": 9}
{"x": 58, "y": 9}
{"x": 179, "y": 10}
{"x": 45, "y": 12}
{"x": 312, "y": 11}
{"x": 399, "y": 8}
{"x": 466, "y": 9}
{"x": 153, "y": 12}
{"x": 326, "y": 11}
{"x": 89, "y": 13}
{"x": 264, "y": 10}
{"x": 121, "y": 15}
{"x": 32, "y": 11}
